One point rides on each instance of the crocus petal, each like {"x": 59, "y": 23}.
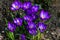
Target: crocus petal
{"x": 12, "y": 8}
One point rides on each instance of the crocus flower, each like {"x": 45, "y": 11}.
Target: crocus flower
{"x": 31, "y": 25}
{"x": 34, "y": 16}
{"x": 42, "y": 27}
{"x": 33, "y": 31}
{"x": 23, "y": 37}
{"x": 35, "y": 8}
{"x": 44, "y": 15}
{"x": 11, "y": 27}
{"x": 18, "y": 21}
{"x": 27, "y": 5}
{"x": 16, "y": 5}
{"x": 32, "y": 28}
{"x": 28, "y": 18}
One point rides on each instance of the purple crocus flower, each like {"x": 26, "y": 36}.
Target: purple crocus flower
{"x": 35, "y": 8}
{"x": 42, "y": 27}
{"x": 23, "y": 37}
{"x": 34, "y": 16}
{"x": 18, "y": 21}
{"x": 32, "y": 28}
{"x": 28, "y": 18}
{"x": 31, "y": 25}
{"x": 27, "y": 5}
{"x": 33, "y": 31}
{"x": 11, "y": 27}
{"x": 16, "y": 5}
{"x": 44, "y": 15}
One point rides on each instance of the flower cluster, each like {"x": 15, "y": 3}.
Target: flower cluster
{"x": 16, "y": 22}
{"x": 30, "y": 17}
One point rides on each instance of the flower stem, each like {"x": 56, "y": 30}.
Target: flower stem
{"x": 33, "y": 37}
{"x": 39, "y": 35}
{"x": 12, "y": 15}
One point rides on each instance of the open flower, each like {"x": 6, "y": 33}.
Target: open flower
{"x": 16, "y": 5}
{"x": 11, "y": 27}
{"x": 33, "y": 31}
{"x": 35, "y": 8}
{"x": 44, "y": 15}
{"x": 31, "y": 25}
{"x": 32, "y": 28}
{"x": 28, "y": 18}
{"x": 34, "y": 16}
{"x": 42, "y": 27}
{"x": 27, "y": 5}
{"x": 18, "y": 21}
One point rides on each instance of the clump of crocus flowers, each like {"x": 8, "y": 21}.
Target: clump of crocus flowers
{"x": 30, "y": 17}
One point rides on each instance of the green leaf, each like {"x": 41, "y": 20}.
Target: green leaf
{"x": 39, "y": 35}
{"x": 6, "y": 21}
{"x": 48, "y": 21}
{"x": 10, "y": 35}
